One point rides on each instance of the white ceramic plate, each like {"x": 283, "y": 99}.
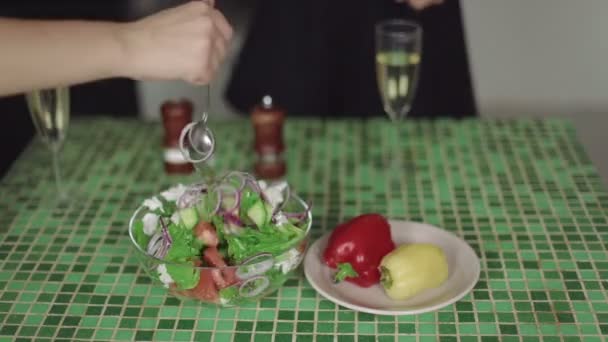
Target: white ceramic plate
{"x": 463, "y": 274}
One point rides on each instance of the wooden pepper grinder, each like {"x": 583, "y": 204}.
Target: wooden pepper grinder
{"x": 175, "y": 116}
{"x": 268, "y": 122}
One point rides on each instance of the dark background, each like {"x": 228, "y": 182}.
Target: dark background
{"x": 112, "y": 97}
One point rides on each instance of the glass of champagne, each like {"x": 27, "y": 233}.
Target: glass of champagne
{"x": 50, "y": 111}
{"x": 398, "y": 49}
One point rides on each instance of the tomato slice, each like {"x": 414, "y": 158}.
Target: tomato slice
{"x": 230, "y": 275}
{"x": 223, "y": 276}
{"x": 205, "y": 289}
{"x": 213, "y": 257}
{"x": 205, "y": 232}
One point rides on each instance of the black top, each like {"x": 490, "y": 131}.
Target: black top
{"x": 316, "y": 57}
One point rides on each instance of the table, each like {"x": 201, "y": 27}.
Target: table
{"x": 523, "y": 193}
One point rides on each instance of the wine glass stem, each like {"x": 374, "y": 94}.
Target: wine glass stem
{"x": 57, "y": 172}
{"x": 397, "y": 163}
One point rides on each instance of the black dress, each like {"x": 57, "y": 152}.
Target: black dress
{"x": 316, "y": 58}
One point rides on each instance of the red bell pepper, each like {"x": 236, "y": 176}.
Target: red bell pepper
{"x": 356, "y": 248}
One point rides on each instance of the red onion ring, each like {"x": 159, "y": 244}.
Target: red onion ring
{"x": 246, "y": 289}
{"x": 190, "y": 196}
{"x": 165, "y": 233}
{"x": 218, "y": 205}
{"x": 156, "y": 246}
{"x": 232, "y": 219}
{"x": 241, "y": 178}
{"x": 249, "y": 180}
{"x": 255, "y": 186}
{"x": 237, "y": 201}
{"x": 299, "y": 215}
{"x": 162, "y": 251}
{"x": 255, "y": 265}
{"x": 160, "y": 243}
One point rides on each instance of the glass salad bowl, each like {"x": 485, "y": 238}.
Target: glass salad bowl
{"x": 227, "y": 243}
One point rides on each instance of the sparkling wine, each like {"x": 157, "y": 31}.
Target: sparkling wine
{"x": 397, "y": 74}
{"x": 50, "y": 111}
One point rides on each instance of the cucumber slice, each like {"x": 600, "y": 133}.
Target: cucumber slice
{"x": 229, "y": 296}
{"x": 202, "y": 210}
{"x": 189, "y": 217}
{"x": 228, "y": 202}
{"x": 257, "y": 213}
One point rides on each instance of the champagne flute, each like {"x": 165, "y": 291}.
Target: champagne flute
{"x": 398, "y": 49}
{"x": 50, "y": 111}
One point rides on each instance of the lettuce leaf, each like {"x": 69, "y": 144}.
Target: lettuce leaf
{"x": 248, "y": 199}
{"x": 230, "y": 295}
{"x": 185, "y": 276}
{"x": 218, "y": 223}
{"x": 182, "y": 248}
{"x": 274, "y": 240}
{"x": 182, "y": 251}
{"x": 140, "y": 237}
{"x": 276, "y": 277}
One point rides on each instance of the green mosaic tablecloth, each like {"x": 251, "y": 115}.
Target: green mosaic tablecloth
{"x": 522, "y": 193}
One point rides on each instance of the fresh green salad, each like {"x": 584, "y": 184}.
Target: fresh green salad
{"x": 236, "y": 239}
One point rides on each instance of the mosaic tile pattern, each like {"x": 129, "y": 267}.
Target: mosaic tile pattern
{"x": 522, "y": 193}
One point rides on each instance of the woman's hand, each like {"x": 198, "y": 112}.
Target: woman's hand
{"x": 419, "y": 5}
{"x": 187, "y": 42}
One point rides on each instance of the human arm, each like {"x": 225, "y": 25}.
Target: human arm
{"x": 187, "y": 42}
{"x": 419, "y": 5}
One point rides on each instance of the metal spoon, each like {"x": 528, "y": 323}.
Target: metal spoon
{"x": 197, "y": 141}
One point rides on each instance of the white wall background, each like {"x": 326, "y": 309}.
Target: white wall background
{"x": 546, "y": 58}
{"x": 538, "y": 57}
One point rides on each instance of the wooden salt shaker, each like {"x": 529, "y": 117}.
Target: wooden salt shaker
{"x": 268, "y": 121}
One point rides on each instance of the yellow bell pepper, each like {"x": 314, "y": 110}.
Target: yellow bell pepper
{"x": 411, "y": 269}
